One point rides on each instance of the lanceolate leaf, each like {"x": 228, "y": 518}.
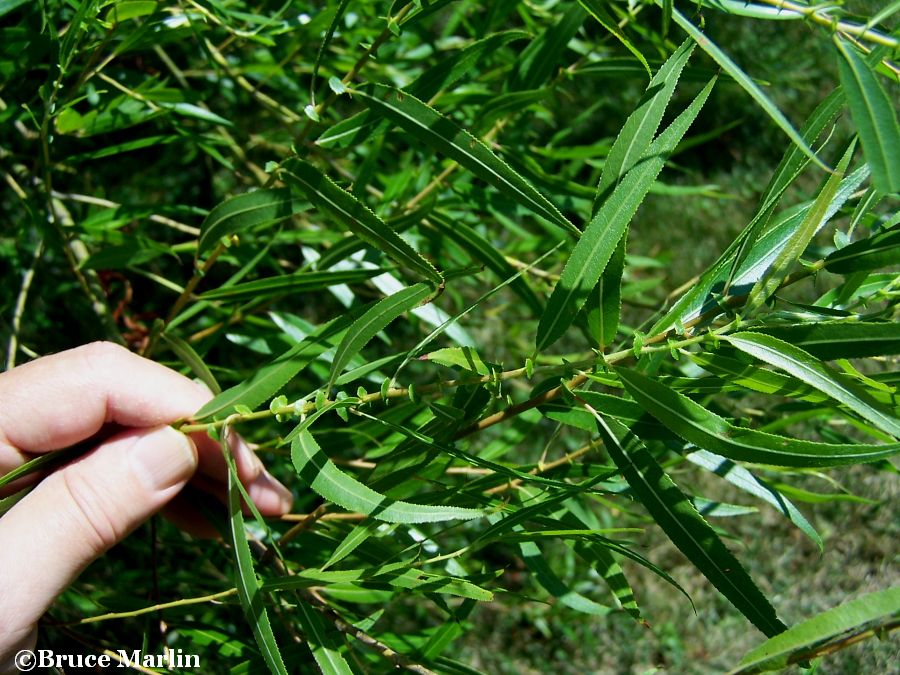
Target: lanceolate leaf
{"x": 535, "y": 562}
{"x": 374, "y": 321}
{"x": 867, "y": 615}
{"x": 605, "y": 306}
{"x": 758, "y": 260}
{"x": 189, "y": 356}
{"x": 829, "y": 340}
{"x": 639, "y": 129}
{"x": 601, "y": 236}
{"x": 816, "y": 374}
{"x": 738, "y": 373}
{"x": 400, "y": 574}
{"x": 600, "y": 13}
{"x": 482, "y": 250}
{"x": 443, "y": 135}
{"x": 320, "y": 473}
{"x": 444, "y": 74}
{"x": 300, "y": 282}
{"x": 743, "y": 479}
{"x": 756, "y": 11}
{"x": 247, "y": 584}
{"x": 875, "y": 117}
{"x": 746, "y": 82}
{"x": 872, "y": 253}
{"x": 687, "y": 529}
{"x": 720, "y": 275}
{"x": 705, "y": 429}
{"x": 815, "y": 218}
{"x": 791, "y": 165}
{"x": 540, "y": 59}
{"x": 356, "y": 216}
{"x": 329, "y": 660}
{"x": 246, "y": 211}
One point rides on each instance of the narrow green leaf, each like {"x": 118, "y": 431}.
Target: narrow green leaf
{"x": 547, "y": 578}
{"x": 539, "y": 60}
{"x": 758, "y": 260}
{"x": 323, "y": 47}
{"x": 320, "y": 473}
{"x": 746, "y": 82}
{"x": 299, "y": 282}
{"x": 732, "y": 261}
{"x": 606, "y": 565}
{"x": 872, "y": 253}
{"x": 874, "y": 115}
{"x": 447, "y": 72}
{"x": 705, "y": 429}
{"x": 458, "y": 357}
{"x": 789, "y": 168}
{"x": 323, "y": 649}
{"x": 829, "y": 340}
{"x": 602, "y": 235}
{"x": 604, "y": 309}
{"x": 374, "y": 321}
{"x": 687, "y": 529}
{"x": 752, "y": 10}
{"x": 249, "y": 591}
{"x": 735, "y": 373}
{"x": 814, "y": 220}
{"x": 245, "y": 212}
{"x": 597, "y": 10}
{"x": 816, "y": 374}
{"x": 400, "y": 575}
{"x": 443, "y": 135}
{"x": 746, "y": 481}
{"x": 868, "y": 615}
{"x": 189, "y": 356}
{"x": 639, "y": 129}
{"x": 487, "y": 254}
{"x": 356, "y": 216}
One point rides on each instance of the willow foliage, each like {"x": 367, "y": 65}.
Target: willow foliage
{"x": 409, "y": 245}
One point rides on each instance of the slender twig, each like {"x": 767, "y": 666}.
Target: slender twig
{"x": 824, "y": 18}
{"x": 199, "y": 272}
{"x": 184, "y": 602}
{"x": 549, "y": 466}
{"x": 97, "y": 201}
{"x": 27, "y": 277}
{"x": 352, "y": 73}
{"x": 285, "y": 114}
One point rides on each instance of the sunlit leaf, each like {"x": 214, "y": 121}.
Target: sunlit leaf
{"x": 597, "y": 243}
{"x": 356, "y": 216}
{"x": 867, "y": 616}
{"x": 319, "y": 472}
{"x": 687, "y": 529}
{"x": 699, "y": 426}
{"x": 443, "y": 135}
{"x": 816, "y": 374}
{"x": 875, "y": 117}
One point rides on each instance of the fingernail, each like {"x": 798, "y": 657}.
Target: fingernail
{"x": 270, "y": 495}
{"x": 249, "y": 464}
{"x": 164, "y": 458}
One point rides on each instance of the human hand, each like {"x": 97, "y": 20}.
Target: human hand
{"x": 79, "y": 511}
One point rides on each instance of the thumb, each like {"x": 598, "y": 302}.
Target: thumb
{"x": 80, "y": 511}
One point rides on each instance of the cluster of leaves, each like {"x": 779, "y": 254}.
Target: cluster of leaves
{"x": 394, "y": 238}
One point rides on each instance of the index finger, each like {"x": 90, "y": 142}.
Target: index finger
{"x": 59, "y": 400}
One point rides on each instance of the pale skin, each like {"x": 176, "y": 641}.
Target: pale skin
{"x": 75, "y": 514}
